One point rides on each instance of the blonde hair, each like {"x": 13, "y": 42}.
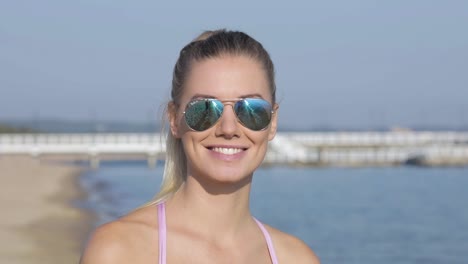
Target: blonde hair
{"x": 209, "y": 44}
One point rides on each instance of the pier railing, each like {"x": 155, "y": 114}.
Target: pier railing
{"x": 330, "y": 148}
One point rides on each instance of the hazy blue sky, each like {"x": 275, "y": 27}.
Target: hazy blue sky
{"x": 340, "y": 63}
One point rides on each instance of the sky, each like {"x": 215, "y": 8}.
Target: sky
{"x": 400, "y": 63}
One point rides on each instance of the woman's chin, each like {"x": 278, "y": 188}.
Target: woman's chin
{"x": 225, "y": 175}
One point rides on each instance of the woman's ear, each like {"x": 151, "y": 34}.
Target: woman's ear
{"x": 173, "y": 120}
{"x": 274, "y": 123}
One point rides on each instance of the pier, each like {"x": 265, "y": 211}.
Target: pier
{"x": 370, "y": 148}
{"x": 93, "y": 147}
{"x": 303, "y": 149}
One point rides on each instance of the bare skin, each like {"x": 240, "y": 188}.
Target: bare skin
{"x": 208, "y": 219}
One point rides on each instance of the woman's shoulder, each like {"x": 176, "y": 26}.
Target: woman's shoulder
{"x": 290, "y": 249}
{"x": 121, "y": 240}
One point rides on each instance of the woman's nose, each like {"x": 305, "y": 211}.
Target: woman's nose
{"x": 228, "y": 125}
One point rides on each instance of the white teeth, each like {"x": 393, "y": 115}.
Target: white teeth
{"x": 227, "y": 151}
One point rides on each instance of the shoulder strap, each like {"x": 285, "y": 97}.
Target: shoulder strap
{"x": 267, "y": 236}
{"x": 162, "y": 232}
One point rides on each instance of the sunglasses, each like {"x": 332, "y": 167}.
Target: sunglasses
{"x": 253, "y": 113}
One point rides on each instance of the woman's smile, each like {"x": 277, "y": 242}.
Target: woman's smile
{"x": 227, "y": 153}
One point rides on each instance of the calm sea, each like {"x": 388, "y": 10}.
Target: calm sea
{"x": 357, "y": 215}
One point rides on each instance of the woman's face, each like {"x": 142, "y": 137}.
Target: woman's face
{"x": 228, "y": 151}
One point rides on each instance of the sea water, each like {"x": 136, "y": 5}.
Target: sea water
{"x": 346, "y": 215}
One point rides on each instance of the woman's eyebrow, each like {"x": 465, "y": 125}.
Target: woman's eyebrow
{"x": 252, "y": 95}
{"x": 197, "y": 96}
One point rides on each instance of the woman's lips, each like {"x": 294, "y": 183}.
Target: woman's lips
{"x": 227, "y": 152}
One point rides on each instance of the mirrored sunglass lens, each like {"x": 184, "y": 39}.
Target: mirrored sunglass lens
{"x": 203, "y": 114}
{"x": 254, "y": 113}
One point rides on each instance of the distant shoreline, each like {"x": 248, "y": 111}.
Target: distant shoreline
{"x": 51, "y": 125}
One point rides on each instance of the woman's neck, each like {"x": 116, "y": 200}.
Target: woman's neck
{"x": 213, "y": 209}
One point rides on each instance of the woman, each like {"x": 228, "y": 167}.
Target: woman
{"x": 222, "y": 115}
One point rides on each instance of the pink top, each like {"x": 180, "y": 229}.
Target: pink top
{"x": 163, "y": 235}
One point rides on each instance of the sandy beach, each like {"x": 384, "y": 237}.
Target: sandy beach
{"x": 38, "y": 223}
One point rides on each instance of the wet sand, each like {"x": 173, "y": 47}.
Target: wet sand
{"x": 38, "y": 222}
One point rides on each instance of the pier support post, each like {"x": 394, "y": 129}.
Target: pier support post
{"x": 152, "y": 160}
{"x": 94, "y": 161}
{"x": 319, "y": 155}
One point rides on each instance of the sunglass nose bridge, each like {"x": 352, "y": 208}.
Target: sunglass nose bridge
{"x": 228, "y": 105}
{"x": 231, "y": 103}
